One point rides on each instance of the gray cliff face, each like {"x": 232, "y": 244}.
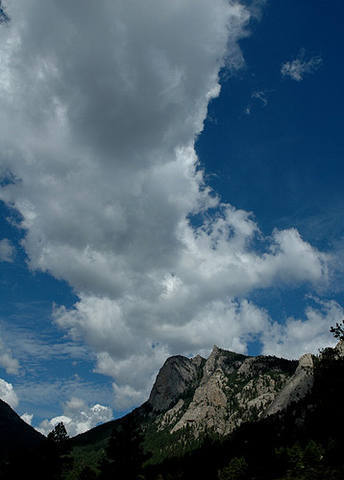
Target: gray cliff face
{"x": 208, "y": 407}
{"x": 176, "y": 377}
{"x": 195, "y": 397}
{"x": 301, "y": 383}
{"x": 226, "y": 390}
{"x": 217, "y": 395}
{"x": 298, "y": 386}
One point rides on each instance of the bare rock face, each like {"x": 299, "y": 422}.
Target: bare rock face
{"x": 171, "y": 416}
{"x": 340, "y": 348}
{"x": 232, "y": 389}
{"x": 198, "y": 361}
{"x": 247, "y": 366}
{"x": 193, "y": 398}
{"x": 297, "y": 387}
{"x": 175, "y": 378}
{"x": 207, "y": 411}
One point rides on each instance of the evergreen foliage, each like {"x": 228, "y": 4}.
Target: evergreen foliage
{"x": 59, "y": 435}
{"x": 338, "y": 330}
{"x": 125, "y": 455}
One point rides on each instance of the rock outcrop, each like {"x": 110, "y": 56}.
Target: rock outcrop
{"x": 339, "y": 348}
{"x": 192, "y": 398}
{"x": 227, "y": 390}
{"x": 297, "y": 387}
{"x": 177, "y": 376}
{"x": 208, "y": 408}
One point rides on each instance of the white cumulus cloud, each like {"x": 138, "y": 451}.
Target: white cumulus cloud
{"x": 107, "y": 102}
{"x": 78, "y": 417}
{"x": 27, "y": 417}
{"x": 298, "y": 336}
{"x": 7, "y": 393}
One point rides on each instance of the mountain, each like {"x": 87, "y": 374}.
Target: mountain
{"x": 230, "y": 416}
{"x": 216, "y": 395}
{"x": 26, "y": 453}
{"x": 15, "y": 433}
{"x": 196, "y": 398}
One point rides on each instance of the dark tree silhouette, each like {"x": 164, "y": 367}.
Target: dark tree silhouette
{"x": 49, "y": 460}
{"x": 87, "y": 474}
{"x": 338, "y": 330}
{"x": 125, "y": 453}
{"x": 56, "y": 451}
{"x": 59, "y": 434}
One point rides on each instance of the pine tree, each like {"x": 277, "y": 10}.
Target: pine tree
{"x": 59, "y": 434}
{"x": 125, "y": 455}
{"x": 56, "y": 451}
{"x": 338, "y": 330}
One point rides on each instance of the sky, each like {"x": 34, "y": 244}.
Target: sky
{"x": 170, "y": 179}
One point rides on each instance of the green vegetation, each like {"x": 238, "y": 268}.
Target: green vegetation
{"x": 85, "y": 459}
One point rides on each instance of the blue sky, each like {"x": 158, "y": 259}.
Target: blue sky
{"x": 145, "y": 211}
{"x": 283, "y": 160}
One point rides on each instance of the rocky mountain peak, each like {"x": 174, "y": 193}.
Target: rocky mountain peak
{"x": 219, "y": 393}
{"x": 198, "y": 360}
{"x": 222, "y": 360}
{"x": 216, "y": 350}
{"x": 196, "y": 397}
{"x": 175, "y": 378}
{"x": 305, "y": 361}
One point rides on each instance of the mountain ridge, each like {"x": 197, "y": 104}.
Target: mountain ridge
{"x": 231, "y": 388}
{"x": 194, "y": 398}
{"x": 218, "y": 399}
{"x": 18, "y": 434}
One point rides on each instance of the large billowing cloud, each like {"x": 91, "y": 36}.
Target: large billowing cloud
{"x": 101, "y": 103}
